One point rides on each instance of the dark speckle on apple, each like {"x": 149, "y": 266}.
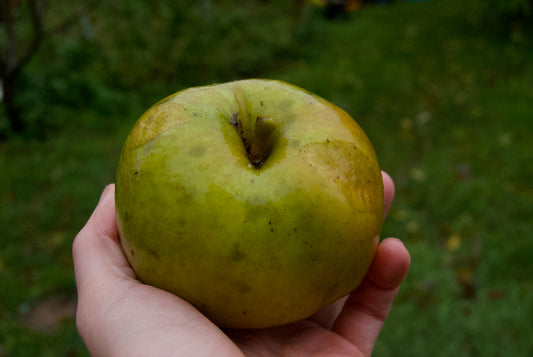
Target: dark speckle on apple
{"x": 153, "y": 253}
{"x": 197, "y": 151}
{"x": 237, "y": 255}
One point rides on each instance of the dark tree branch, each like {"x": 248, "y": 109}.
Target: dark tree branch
{"x": 13, "y": 58}
{"x": 12, "y": 63}
{"x": 10, "y": 55}
{"x": 15, "y": 64}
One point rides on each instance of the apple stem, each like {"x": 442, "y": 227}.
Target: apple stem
{"x": 259, "y": 147}
{"x": 261, "y": 141}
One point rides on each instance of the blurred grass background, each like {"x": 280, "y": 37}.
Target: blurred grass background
{"x": 443, "y": 88}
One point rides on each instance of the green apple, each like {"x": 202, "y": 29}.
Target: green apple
{"x": 256, "y": 201}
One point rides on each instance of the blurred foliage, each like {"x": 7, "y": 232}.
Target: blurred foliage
{"x": 104, "y": 54}
{"x": 442, "y": 88}
{"x": 511, "y": 15}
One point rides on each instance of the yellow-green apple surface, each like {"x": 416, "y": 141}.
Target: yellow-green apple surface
{"x": 256, "y": 201}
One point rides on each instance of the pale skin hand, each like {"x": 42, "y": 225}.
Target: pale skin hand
{"x": 119, "y": 316}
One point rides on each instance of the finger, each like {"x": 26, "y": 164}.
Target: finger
{"x": 388, "y": 190}
{"x": 96, "y": 250}
{"x": 368, "y": 306}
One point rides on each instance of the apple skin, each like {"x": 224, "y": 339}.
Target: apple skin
{"x": 249, "y": 247}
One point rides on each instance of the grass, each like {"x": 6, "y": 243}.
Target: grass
{"x": 51, "y": 189}
{"x": 448, "y": 107}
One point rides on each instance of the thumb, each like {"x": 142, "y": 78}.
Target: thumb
{"x": 96, "y": 250}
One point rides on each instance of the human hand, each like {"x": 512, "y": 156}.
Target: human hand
{"x": 119, "y": 316}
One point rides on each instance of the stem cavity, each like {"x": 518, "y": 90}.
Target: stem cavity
{"x": 258, "y": 148}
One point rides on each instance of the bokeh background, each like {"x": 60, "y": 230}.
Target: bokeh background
{"x": 443, "y": 88}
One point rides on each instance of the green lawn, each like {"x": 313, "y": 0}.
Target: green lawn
{"x": 448, "y": 105}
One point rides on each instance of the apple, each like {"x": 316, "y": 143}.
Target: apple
{"x": 256, "y": 201}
